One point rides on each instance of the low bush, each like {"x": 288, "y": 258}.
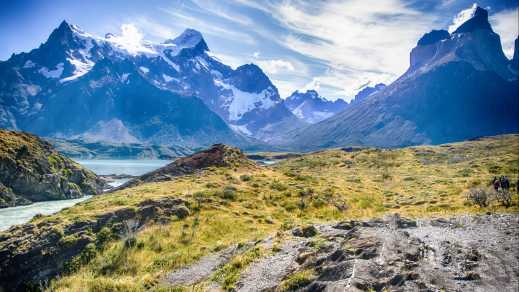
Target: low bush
{"x": 278, "y": 186}
{"x": 504, "y": 197}
{"x": 479, "y": 196}
{"x": 229, "y": 193}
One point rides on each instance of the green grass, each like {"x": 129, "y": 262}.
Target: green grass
{"x": 229, "y": 274}
{"x": 297, "y": 280}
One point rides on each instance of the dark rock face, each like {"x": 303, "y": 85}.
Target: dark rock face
{"x": 433, "y": 37}
{"x": 367, "y": 91}
{"x": 250, "y": 78}
{"x": 31, "y": 254}
{"x": 478, "y": 21}
{"x": 127, "y": 111}
{"x": 219, "y": 155}
{"x": 31, "y": 170}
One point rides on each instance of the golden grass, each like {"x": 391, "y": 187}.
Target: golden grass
{"x": 326, "y": 186}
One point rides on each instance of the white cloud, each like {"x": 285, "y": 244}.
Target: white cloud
{"x": 256, "y": 55}
{"x": 276, "y": 66}
{"x": 231, "y": 60}
{"x": 285, "y": 88}
{"x": 212, "y": 8}
{"x": 505, "y": 23}
{"x": 130, "y": 39}
{"x": 461, "y": 17}
{"x": 357, "y": 40}
{"x": 209, "y": 28}
{"x": 155, "y": 29}
{"x": 315, "y": 84}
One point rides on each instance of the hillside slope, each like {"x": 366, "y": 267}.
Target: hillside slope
{"x": 138, "y": 238}
{"x": 31, "y": 170}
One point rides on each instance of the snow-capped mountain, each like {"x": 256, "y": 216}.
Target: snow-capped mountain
{"x": 71, "y": 61}
{"x": 310, "y": 107}
{"x": 459, "y": 85}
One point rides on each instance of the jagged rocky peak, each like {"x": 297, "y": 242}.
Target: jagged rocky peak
{"x": 367, "y": 91}
{"x": 250, "y": 77}
{"x": 479, "y": 20}
{"x": 311, "y": 94}
{"x": 190, "y": 39}
{"x": 64, "y": 33}
{"x": 473, "y": 42}
{"x": 433, "y": 37}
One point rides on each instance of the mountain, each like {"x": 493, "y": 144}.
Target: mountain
{"x": 111, "y": 89}
{"x": 367, "y": 91}
{"x": 310, "y": 107}
{"x": 81, "y": 149}
{"x": 458, "y": 86}
{"x": 31, "y": 170}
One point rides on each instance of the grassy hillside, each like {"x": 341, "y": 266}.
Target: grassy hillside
{"x": 32, "y": 170}
{"x": 248, "y": 202}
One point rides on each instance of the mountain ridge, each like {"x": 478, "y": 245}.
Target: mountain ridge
{"x": 182, "y": 66}
{"x": 455, "y": 89}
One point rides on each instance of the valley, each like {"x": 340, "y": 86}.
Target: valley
{"x": 259, "y": 146}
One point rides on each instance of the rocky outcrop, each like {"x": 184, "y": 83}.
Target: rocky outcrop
{"x": 396, "y": 254}
{"x": 31, "y": 254}
{"x": 218, "y": 155}
{"x": 467, "y": 253}
{"x": 31, "y": 170}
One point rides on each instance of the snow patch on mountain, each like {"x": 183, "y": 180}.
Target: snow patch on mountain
{"x": 81, "y": 61}
{"x": 241, "y": 129}
{"x": 167, "y": 78}
{"x": 29, "y": 64}
{"x": 240, "y": 102}
{"x": 56, "y": 73}
{"x": 462, "y": 17}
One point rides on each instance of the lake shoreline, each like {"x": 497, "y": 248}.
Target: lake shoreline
{"x": 113, "y": 172}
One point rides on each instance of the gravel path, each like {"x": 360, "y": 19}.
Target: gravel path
{"x": 202, "y": 269}
{"x": 268, "y": 272}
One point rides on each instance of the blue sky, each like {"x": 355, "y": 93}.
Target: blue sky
{"x": 335, "y": 46}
